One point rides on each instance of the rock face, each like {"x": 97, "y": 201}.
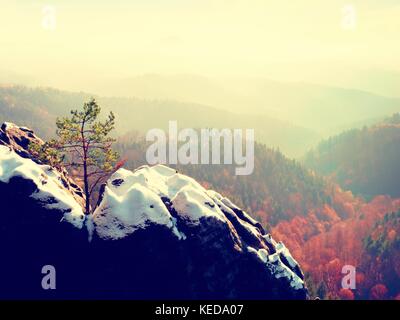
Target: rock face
{"x": 41, "y": 218}
{"x": 155, "y": 234}
{"x": 18, "y": 139}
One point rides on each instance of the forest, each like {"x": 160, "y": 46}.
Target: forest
{"x": 332, "y": 207}
{"x": 361, "y": 160}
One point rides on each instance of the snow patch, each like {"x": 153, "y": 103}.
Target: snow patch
{"x": 227, "y": 206}
{"x": 269, "y": 239}
{"x": 50, "y": 190}
{"x": 9, "y": 125}
{"x": 275, "y": 265}
{"x": 194, "y": 203}
{"x": 133, "y": 200}
{"x": 122, "y": 213}
{"x": 280, "y": 247}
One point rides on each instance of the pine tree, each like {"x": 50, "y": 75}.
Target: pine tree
{"x": 83, "y": 146}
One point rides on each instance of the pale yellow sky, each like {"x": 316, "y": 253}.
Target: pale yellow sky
{"x": 288, "y": 39}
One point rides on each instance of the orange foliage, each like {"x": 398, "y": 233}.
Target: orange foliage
{"x": 391, "y": 235}
{"x": 378, "y": 292}
{"x": 324, "y": 247}
{"x": 346, "y": 294}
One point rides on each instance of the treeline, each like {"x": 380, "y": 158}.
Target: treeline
{"x": 383, "y": 260}
{"x": 365, "y": 161}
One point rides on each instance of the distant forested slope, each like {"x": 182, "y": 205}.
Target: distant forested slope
{"x": 37, "y": 108}
{"x": 365, "y": 161}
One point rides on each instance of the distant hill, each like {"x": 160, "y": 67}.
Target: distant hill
{"x": 365, "y": 161}
{"x": 291, "y": 116}
{"x": 322, "y": 108}
{"x": 38, "y": 108}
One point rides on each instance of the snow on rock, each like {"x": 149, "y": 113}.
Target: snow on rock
{"x": 276, "y": 264}
{"x": 193, "y": 204}
{"x": 245, "y": 221}
{"x": 133, "y": 200}
{"x": 18, "y": 139}
{"x": 120, "y": 214}
{"x": 136, "y": 200}
{"x": 50, "y": 192}
{"x": 283, "y": 251}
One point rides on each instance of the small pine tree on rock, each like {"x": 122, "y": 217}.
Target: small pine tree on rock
{"x": 83, "y": 146}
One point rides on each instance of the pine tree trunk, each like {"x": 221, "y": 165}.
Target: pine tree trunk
{"x": 85, "y": 173}
{"x": 86, "y": 183}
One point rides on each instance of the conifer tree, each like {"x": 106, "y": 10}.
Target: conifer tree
{"x": 83, "y": 146}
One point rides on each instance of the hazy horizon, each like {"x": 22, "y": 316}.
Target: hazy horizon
{"x": 313, "y": 42}
{"x": 318, "y": 65}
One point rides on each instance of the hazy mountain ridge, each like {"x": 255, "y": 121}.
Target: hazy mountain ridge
{"x": 362, "y": 160}
{"x": 320, "y": 108}
{"x": 38, "y": 108}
